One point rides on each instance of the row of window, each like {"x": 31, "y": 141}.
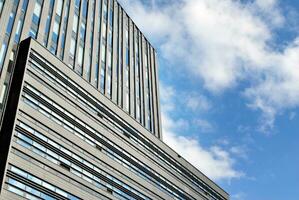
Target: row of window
{"x": 74, "y": 96}
{"x": 107, "y": 147}
{"x": 136, "y": 140}
{"x": 73, "y": 163}
{"x": 23, "y": 189}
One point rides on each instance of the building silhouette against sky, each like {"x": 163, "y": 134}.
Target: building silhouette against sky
{"x": 80, "y": 113}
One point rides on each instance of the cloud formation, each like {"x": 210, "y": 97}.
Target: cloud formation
{"x": 226, "y": 43}
{"x": 214, "y": 161}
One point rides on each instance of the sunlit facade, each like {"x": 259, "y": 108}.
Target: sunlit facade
{"x": 98, "y": 40}
{"x": 80, "y": 113}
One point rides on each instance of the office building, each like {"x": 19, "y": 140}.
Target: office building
{"x": 97, "y": 39}
{"x": 80, "y": 108}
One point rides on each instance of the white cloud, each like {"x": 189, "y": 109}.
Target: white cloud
{"x": 225, "y": 43}
{"x": 239, "y": 196}
{"x": 166, "y": 94}
{"x": 197, "y": 102}
{"x": 215, "y": 162}
{"x": 203, "y": 125}
{"x": 292, "y": 116}
{"x": 240, "y": 151}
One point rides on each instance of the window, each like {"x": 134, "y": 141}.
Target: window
{"x": 2, "y": 52}
{"x": 77, "y": 4}
{"x": 104, "y": 31}
{"x": 110, "y": 38}
{"x": 74, "y": 39}
{"x": 36, "y": 12}
{"x": 65, "y": 21}
{"x": 3, "y": 93}
{"x": 21, "y": 21}
{"x": 103, "y": 52}
{"x": 80, "y": 59}
{"x": 28, "y": 190}
{"x": 55, "y": 31}
{"x": 48, "y": 22}
{"x": 111, "y": 16}
{"x": 96, "y": 75}
{"x": 1, "y": 5}
{"x": 75, "y": 23}
{"x": 102, "y": 79}
{"x": 72, "y": 48}
{"x": 10, "y": 22}
{"x": 59, "y": 7}
{"x": 85, "y": 8}
{"x": 35, "y": 18}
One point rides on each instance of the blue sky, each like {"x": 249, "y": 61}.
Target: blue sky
{"x": 229, "y": 73}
